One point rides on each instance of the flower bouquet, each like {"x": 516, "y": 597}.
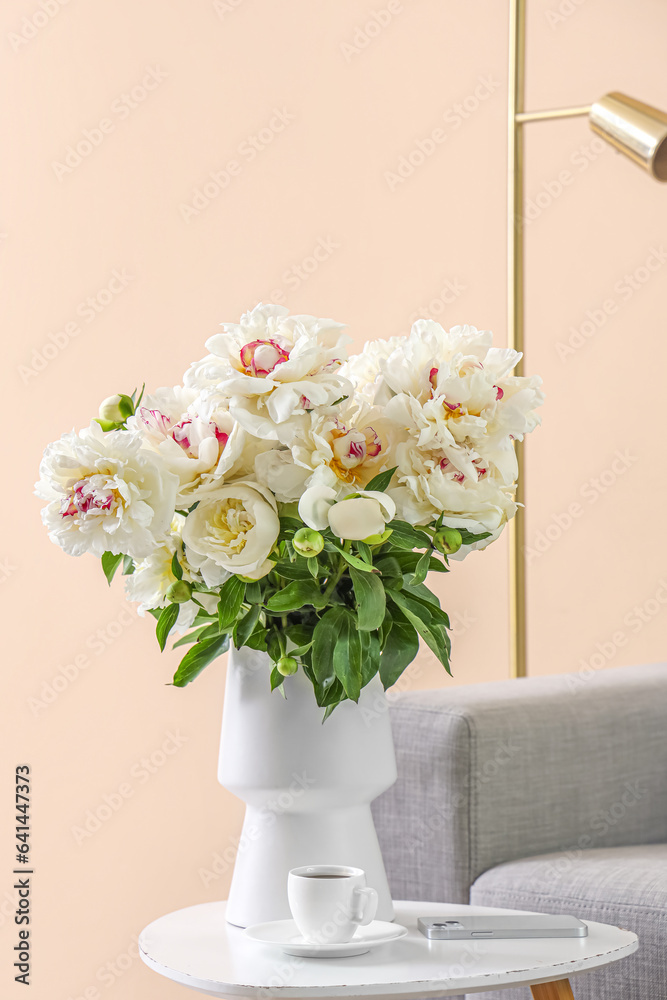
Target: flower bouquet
{"x": 293, "y": 500}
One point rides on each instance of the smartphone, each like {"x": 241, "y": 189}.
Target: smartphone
{"x": 528, "y": 925}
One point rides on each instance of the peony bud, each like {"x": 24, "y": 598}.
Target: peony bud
{"x": 308, "y": 542}
{"x": 361, "y": 515}
{"x": 447, "y": 540}
{"x": 116, "y": 409}
{"x": 179, "y": 592}
{"x": 287, "y": 665}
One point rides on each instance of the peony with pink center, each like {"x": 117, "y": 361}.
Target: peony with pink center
{"x": 105, "y": 493}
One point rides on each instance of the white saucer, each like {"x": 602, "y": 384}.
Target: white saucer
{"x": 284, "y": 934}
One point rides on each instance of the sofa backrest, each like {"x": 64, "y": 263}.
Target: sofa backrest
{"x": 494, "y": 772}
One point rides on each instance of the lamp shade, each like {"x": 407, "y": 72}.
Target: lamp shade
{"x": 636, "y": 129}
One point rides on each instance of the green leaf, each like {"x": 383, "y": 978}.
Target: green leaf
{"x": 352, "y": 560}
{"x": 110, "y": 564}
{"x": 295, "y": 595}
{"x": 107, "y": 425}
{"x": 299, "y": 634}
{"x": 231, "y": 599}
{"x": 211, "y": 631}
{"x": 274, "y": 645}
{"x": 176, "y": 567}
{"x": 347, "y": 656}
{"x": 441, "y": 632}
{"x": 276, "y": 678}
{"x": 331, "y": 695}
{"x": 365, "y": 552}
{"x": 468, "y": 538}
{"x": 370, "y": 599}
{"x": 126, "y": 405}
{"x": 190, "y": 637}
{"x": 391, "y": 566}
{"x": 404, "y": 536}
{"x": 313, "y": 567}
{"x": 325, "y": 635}
{"x": 370, "y": 656}
{"x": 400, "y": 650}
{"x": 403, "y": 562}
{"x": 421, "y": 569}
{"x": 246, "y": 626}
{"x": 203, "y": 615}
{"x": 289, "y": 526}
{"x": 299, "y": 650}
{"x": 253, "y": 593}
{"x": 437, "y": 566}
{"x": 385, "y": 628}
{"x": 141, "y": 396}
{"x": 424, "y": 596}
{"x": 199, "y": 657}
{"x": 128, "y": 566}
{"x": 293, "y": 571}
{"x": 165, "y": 623}
{"x": 381, "y": 481}
{"x": 419, "y": 617}
{"x": 257, "y": 639}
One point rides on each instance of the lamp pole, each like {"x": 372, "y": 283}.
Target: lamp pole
{"x": 633, "y": 128}
{"x": 517, "y": 117}
{"x": 515, "y": 315}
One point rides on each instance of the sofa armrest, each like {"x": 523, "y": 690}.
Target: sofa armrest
{"x": 495, "y": 772}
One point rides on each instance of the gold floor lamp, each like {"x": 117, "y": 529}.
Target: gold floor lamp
{"x": 635, "y": 129}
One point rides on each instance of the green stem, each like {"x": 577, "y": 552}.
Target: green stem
{"x": 282, "y": 642}
{"x": 331, "y": 585}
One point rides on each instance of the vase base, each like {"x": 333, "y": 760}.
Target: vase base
{"x": 272, "y": 844}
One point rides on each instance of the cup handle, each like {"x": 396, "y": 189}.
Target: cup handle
{"x": 365, "y": 903}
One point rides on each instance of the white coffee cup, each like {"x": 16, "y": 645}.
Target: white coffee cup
{"x": 329, "y": 902}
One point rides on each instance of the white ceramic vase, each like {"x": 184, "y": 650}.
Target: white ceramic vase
{"x": 307, "y": 785}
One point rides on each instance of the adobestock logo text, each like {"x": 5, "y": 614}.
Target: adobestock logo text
{"x": 248, "y": 150}
{"x": 121, "y": 108}
{"x": 96, "y": 643}
{"x": 633, "y": 621}
{"x": 87, "y": 310}
{"x": 32, "y": 24}
{"x": 374, "y": 26}
{"x": 591, "y": 491}
{"x": 623, "y": 290}
{"x": 453, "y": 117}
{"x": 139, "y": 773}
{"x": 294, "y": 276}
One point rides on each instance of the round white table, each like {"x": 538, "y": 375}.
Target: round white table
{"x": 197, "y": 948}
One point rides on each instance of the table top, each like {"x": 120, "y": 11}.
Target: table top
{"x": 197, "y": 948}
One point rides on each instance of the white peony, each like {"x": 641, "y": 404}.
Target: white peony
{"x": 200, "y": 446}
{"x": 364, "y": 370}
{"x": 273, "y": 367}
{"x": 455, "y": 396}
{"x": 344, "y": 448}
{"x": 235, "y": 527}
{"x": 277, "y": 470}
{"x": 105, "y": 493}
{"x": 457, "y": 410}
{"x": 355, "y": 517}
{"x": 428, "y": 490}
{"x": 153, "y": 576}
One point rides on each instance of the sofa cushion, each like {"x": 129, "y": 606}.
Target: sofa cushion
{"x": 626, "y": 886}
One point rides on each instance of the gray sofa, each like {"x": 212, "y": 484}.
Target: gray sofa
{"x": 544, "y": 794}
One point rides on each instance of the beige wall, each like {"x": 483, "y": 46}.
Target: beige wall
{"x": 322, "y": 179}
